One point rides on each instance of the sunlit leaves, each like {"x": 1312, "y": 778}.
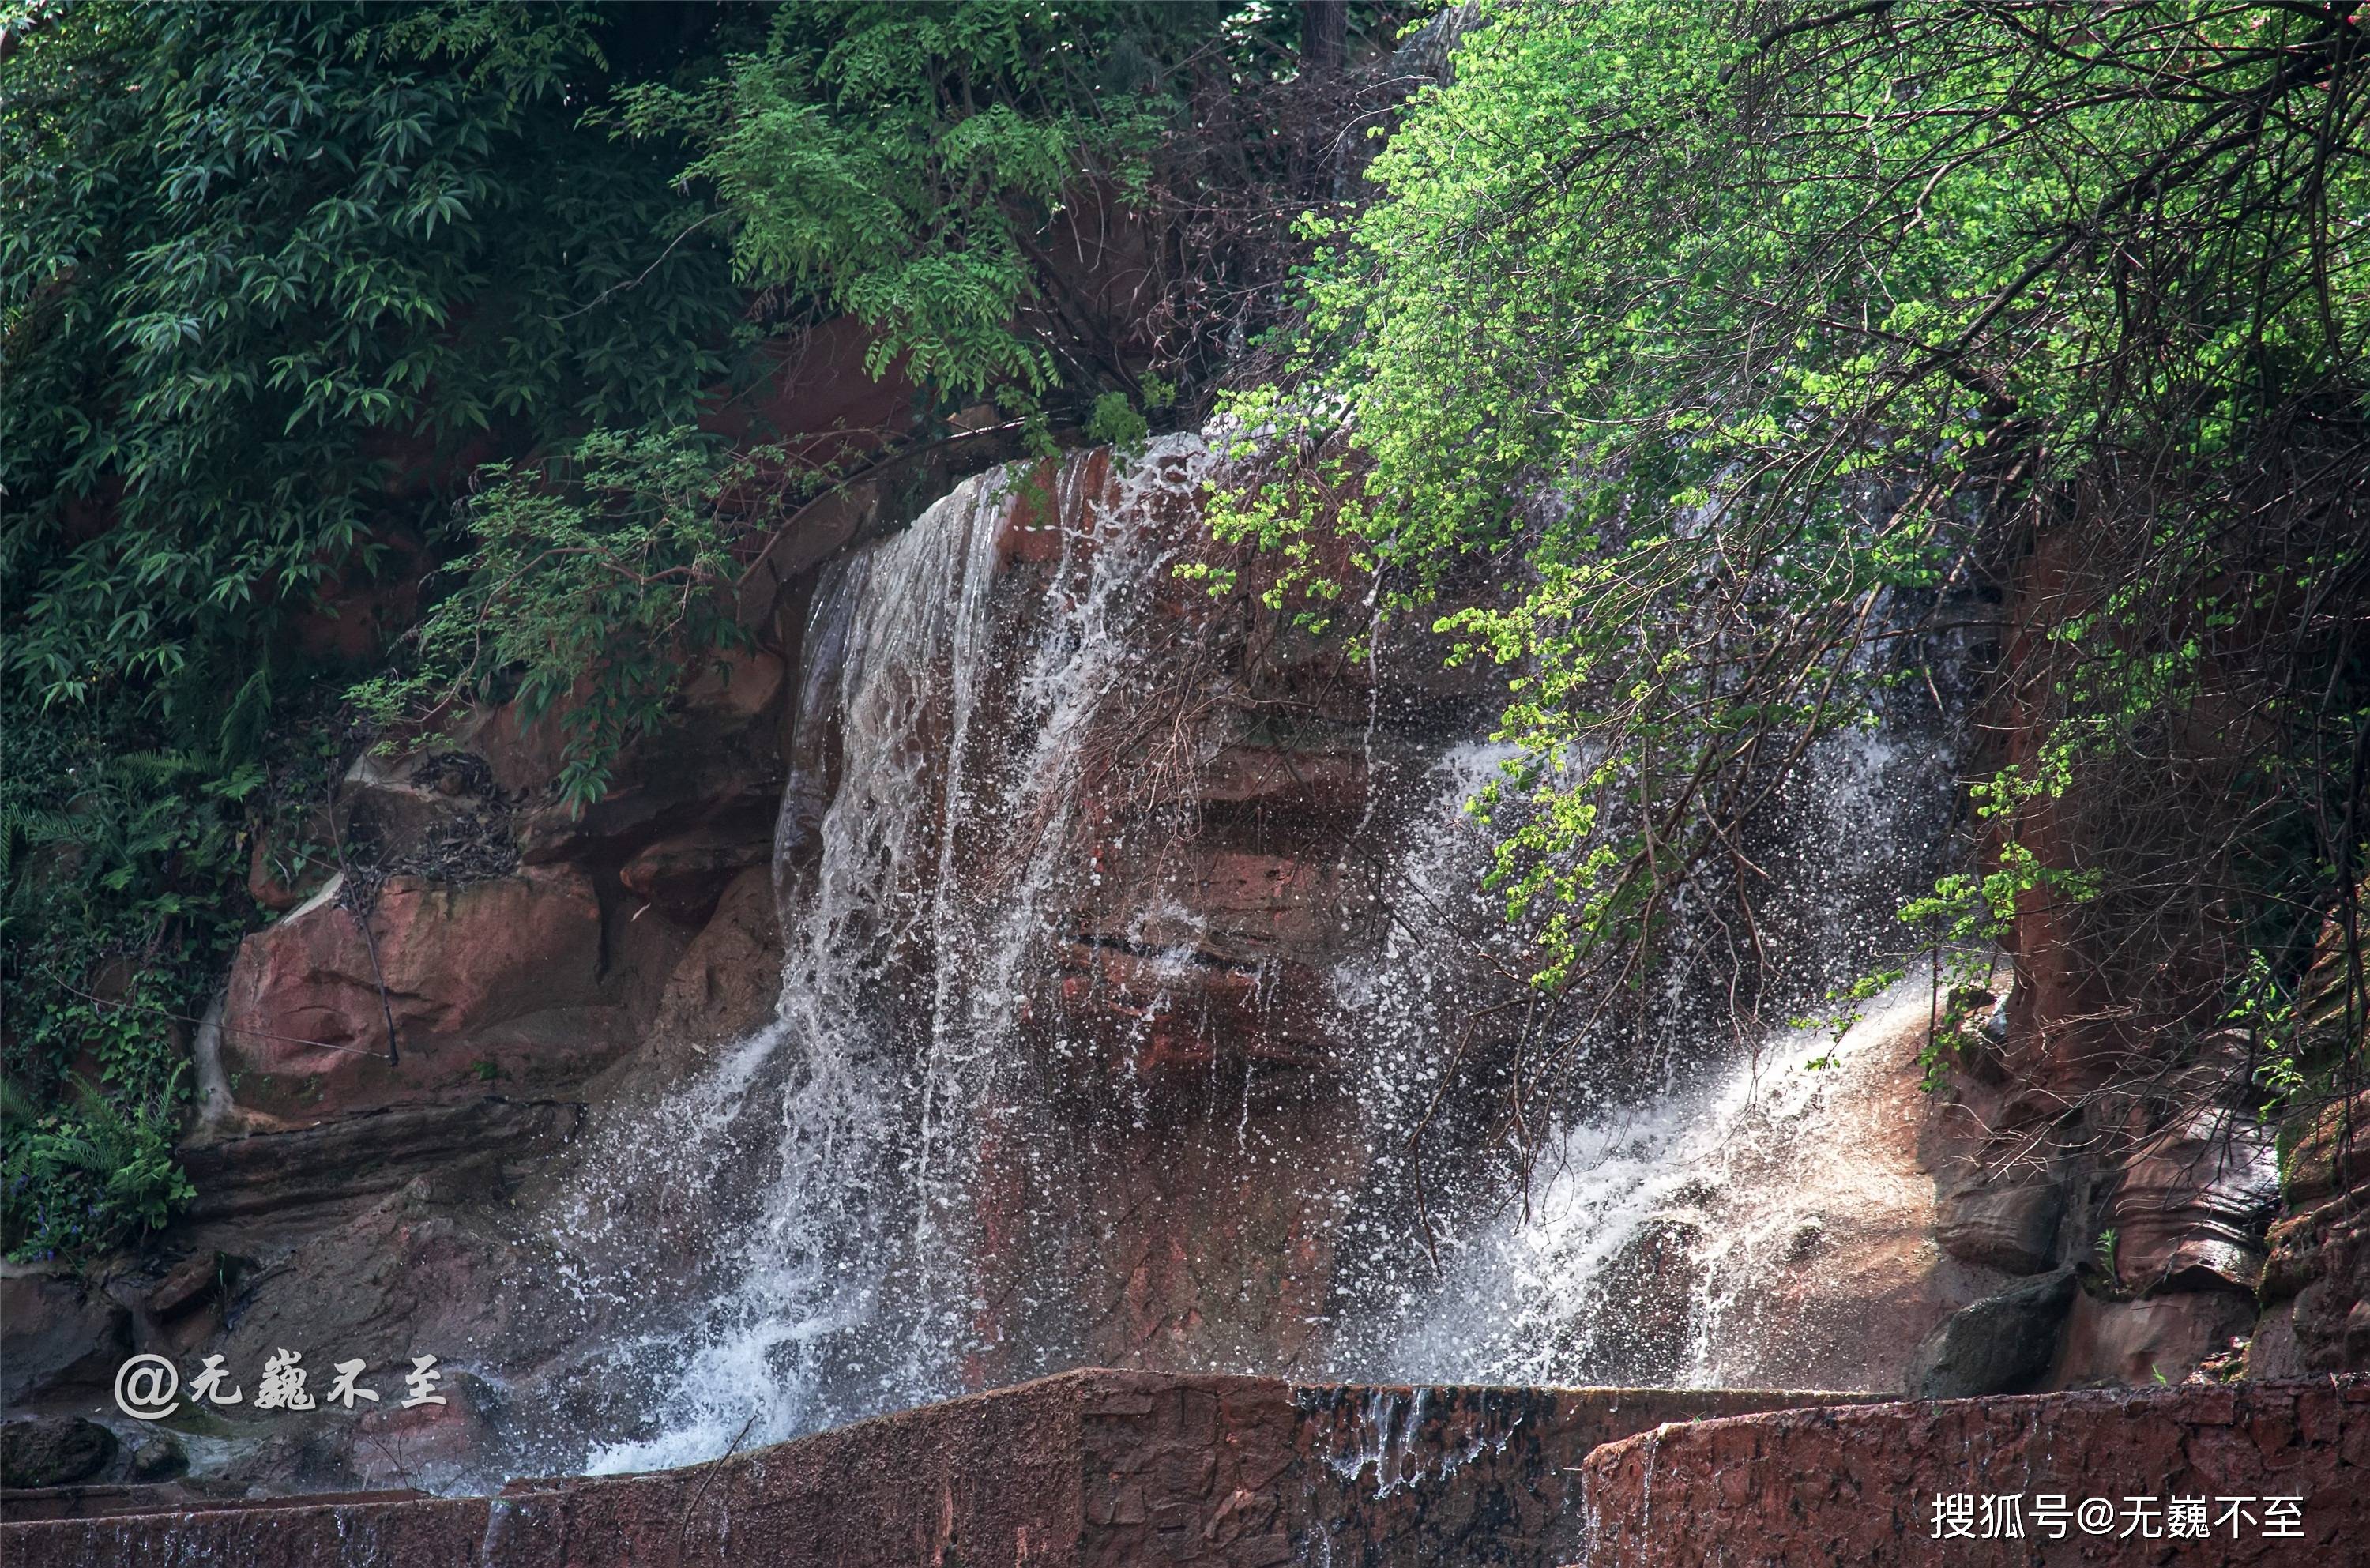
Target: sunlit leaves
{"x": 1724, "y": 357}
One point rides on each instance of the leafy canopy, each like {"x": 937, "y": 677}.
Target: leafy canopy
{"x": 986, "y": 185}
{"x": 271, "y": 278}
{"x": 1730, "y": 345}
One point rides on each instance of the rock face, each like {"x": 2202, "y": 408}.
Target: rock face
{"x": 1100, "y": 1469}
{"x": 2193, "y": 1202}
{"x": 478, "y": 981}
{"x": 2316, "y": 1284}
{"x": 1115, "y": 968}
{"x": 2007, "y": 1223}
{"x": 486, "y": 933}
{"x": 2142, "y": 1149}
{"x": 1861, "y": 1486}
{"x": 1077, "y": 867}
{"x": 56, "y": 1331}
{"x": 357, "y": 1201}
{"x": 2317, "y": 1281}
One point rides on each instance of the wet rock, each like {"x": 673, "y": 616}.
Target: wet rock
{"x": 2007, "y": 1223}
{"x": 1086, "y": 1470}
{"x": 157, "y": 1455}
{"x": 727, "y": 981}
{"x": 2001, "y": 1345}
{"x": 428, "y": 1444}
{"x": 187, "y": 1285}
{"x": 2192, "y": 1205}
{"x": 53, "y": 1450}
{"x": 54, "y": 1331}
{"x": 2317, "y": 1277}
{"x": 1650, "y": 1286}
{"x": 312, "y": 1175}
{"x": 1859, "y": 1487}
{"x": 683, "y": 877}
{"x": 1808, "y": 1240}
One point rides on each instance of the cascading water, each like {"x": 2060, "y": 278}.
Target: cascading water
{"x": 1694, "y": 1230}
{"x": 1027, "y": 1103}
{"x": 923, "y": 826}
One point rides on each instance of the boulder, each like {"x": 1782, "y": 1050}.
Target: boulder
{"x": 1650, "y": 1288}
{"x": 53, "y": 1450}
{"x": 2009, "y": 1222}
{"x": 157, "y": 1455}
{"x": 185, "y": 1284}
{"x": 55, "y": 1331}
{"x": 727, "y": 982}
{"x": 433, "y": 813}
{"x": 2161, "y": 1338}
{"x": 2002, "y": 1345}
{"x": 683, "y": 876}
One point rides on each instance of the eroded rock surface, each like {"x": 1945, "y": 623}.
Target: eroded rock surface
{"x": 1091, "y": 1469}
{"x": 1859, "y": 1486}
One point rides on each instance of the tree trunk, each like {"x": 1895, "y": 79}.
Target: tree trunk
{"x": 1324, "y": 35}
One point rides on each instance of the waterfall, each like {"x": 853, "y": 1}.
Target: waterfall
{"x": 925, "y": 836}
{"x": 1055, "y": 1079}
{"x": 1697, "y": 1230}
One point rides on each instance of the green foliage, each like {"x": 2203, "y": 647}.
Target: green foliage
{"x": 1846, "y": 1006}
{"x": 1722, "y": 342}
{"x": 270, "y": 277}
{"x": 888, "y": 159}
{"x": 955, "y": 174}
{"x": 123, "y": 874}
{"x": 257, "y": 262}
{"x": 597, "y": 580}
{"x": 75, "y": 1182}
{"x": 2267, "y": 1011}
{"x": 1977, "y": 910}
{"x": 1115, "y": 421}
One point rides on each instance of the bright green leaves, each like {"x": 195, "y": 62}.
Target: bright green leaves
{"x": 898, "y": 162}
{"x": 947, "y": 173}
{"x": 1731, "y": 362}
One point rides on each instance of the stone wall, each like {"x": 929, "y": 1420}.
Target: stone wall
{"x": 1095, "y": 1469}
{"x": 1859, "y": 1486}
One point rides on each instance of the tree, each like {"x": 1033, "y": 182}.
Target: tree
{"x": 272, "y": 279}
{"x": 1747, "y": 350}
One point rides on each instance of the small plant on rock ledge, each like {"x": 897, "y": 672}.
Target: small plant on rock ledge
{"x": 599, "y": 581}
